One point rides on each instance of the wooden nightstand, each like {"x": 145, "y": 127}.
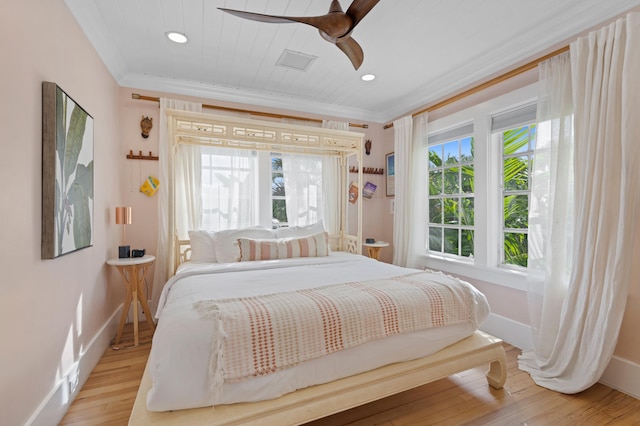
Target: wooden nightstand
{"x": 373, "y": 249}
{"x": 133, "y": 271}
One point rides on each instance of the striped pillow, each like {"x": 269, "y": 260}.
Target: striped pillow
{"x": 312, "y": 246}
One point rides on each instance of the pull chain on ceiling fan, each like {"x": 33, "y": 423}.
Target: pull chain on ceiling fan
{"x": 335, "y": 27}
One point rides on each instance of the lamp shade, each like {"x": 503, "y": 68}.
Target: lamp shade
{"x": 123, "y": 215}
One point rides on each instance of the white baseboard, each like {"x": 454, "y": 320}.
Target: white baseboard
{"x": 55, "y": 405}
{"x": 620, "y": 374}
{"x": 513, "y": 332}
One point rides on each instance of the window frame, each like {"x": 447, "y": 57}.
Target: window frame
{"x": 460, "y": 136}
{"x": 486, "y": 264}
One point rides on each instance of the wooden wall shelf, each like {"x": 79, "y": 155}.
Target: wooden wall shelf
{"x": 367, "y": 170}
{"x": 139, "y": 156}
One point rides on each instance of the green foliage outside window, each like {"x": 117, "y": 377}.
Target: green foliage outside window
{"x": 451, "y": 198}
{"x": 518, "y": 145}
{"x": 451, "y": 195}
{"x": 278, "y": 204}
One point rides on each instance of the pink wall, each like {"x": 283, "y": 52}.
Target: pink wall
{"x": 51, "y": 309}
{"x": 628, "y": 343}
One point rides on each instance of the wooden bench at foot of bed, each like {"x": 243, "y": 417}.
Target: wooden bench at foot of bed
{"x": 323, "y": 400}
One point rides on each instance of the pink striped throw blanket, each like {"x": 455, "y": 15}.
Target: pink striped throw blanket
{"x": 255, "y": 336}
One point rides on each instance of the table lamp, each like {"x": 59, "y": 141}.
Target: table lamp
{"x": 123, "y": 217}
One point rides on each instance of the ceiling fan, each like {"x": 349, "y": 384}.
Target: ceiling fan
{"x": 335, "y": 27}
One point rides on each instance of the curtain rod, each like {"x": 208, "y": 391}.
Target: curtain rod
{"x": 499, "y": 79}
{"x": 261, "y": 114}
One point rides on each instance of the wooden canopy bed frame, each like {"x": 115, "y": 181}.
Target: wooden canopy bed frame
{"x": 317, "y": 401}
{"x": 208, "y": 130}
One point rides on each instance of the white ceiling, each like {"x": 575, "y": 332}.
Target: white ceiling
{"x": 420, "y": 50}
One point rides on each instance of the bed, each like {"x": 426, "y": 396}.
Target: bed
{"x": 191, "y": 367}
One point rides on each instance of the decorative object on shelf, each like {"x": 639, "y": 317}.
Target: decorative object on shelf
{"x": 150, "y": 186}
{"x": 367, "y": 147}
{"x": 131, "y": 156}
{"x": 67, "y": 174}
{"x": 123, "y": 217}
{"x": 368, "y": 190}
{"x": 146, "y": 124}
{"x": 391, "y": 175}
{"x": 353, "y": 193}
{"x": 367, "y": 170}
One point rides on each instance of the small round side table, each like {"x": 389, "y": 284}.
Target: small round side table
{"x": 373, "y": 249}
{"x": 133, "y": 271}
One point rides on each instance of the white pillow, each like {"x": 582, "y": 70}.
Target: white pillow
{"x": 226, "y": 242}
{"x": 300, "y": 231}
{"x": 203, "y": 249}
{"x": 284, "y": 248}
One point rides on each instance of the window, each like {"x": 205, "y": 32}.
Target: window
{"x": 278, "y": 203}
{"x": 232, "y": 186}
{"x": 515, "y": 132}
{"x": 479, "y": 166}
{"x": 451, "y": 194}
{"x": 518, "y": 145}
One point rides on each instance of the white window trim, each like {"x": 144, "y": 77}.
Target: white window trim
{"x": 485, "y": 265}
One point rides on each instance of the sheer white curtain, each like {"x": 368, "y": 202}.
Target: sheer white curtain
{"x": 331, "y": 184}
{"x": 574, "y": 348}
{"x": 551, "y": 210}
{"x": 164, "y": 252}
{"x": 229, "y": 188}
{"x": 409, "y": 222}
{"x": 303, "y": 188}
{"x": 311, "y": 183}
{"x": 188, "y": 189}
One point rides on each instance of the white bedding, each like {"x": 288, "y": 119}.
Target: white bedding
{"x": 180, "y": 357}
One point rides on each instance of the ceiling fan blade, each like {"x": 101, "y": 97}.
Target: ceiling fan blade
{"x": 359, "y": 9}
{"x": 333, "y": 25}
{"x": 353, "y": 51}
{"x": 260, "y": 17}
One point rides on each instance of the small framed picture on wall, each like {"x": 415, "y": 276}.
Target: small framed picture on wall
{"x": 390, "y": 172}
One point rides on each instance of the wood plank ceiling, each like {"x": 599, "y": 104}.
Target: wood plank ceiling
{"x": 420, "y": 50}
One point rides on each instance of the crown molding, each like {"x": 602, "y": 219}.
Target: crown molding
{"x": 558, "y": 31}
{"x": 269, "y": 100}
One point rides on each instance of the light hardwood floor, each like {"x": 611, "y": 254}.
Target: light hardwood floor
{"x": 463, "y": 399}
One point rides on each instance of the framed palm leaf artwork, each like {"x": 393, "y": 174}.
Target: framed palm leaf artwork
{"x": 67, "y": 174}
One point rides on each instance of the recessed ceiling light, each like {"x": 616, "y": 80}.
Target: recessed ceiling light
{"x": 176, "y": 37}
{"x": 368, "y": 77}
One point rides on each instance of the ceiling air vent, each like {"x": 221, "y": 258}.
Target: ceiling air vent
{"x": 295, "y": 60}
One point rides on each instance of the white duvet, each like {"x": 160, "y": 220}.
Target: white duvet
{"x": 181, "y": 351}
